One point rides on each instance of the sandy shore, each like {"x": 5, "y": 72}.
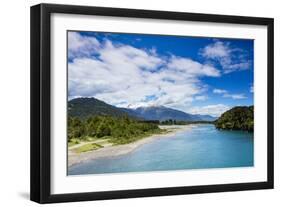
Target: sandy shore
{"x": 111, "y": 151}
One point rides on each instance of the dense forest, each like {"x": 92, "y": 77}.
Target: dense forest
{"x": 119, "y": 130}
{"x": 237, "y": 118}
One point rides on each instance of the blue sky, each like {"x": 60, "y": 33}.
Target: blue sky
{"x": 194, "y": 74}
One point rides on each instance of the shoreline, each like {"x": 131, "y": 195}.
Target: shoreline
{"x": 112, "y": 151}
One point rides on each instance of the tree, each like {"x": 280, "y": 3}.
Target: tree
{"x": 237, "y": 118}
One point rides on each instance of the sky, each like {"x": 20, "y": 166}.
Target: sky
{"x": 198, "y": 75}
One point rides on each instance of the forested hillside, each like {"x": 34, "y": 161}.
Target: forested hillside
{"x": 237, "y": 118}
{"x": 84, "y": 108}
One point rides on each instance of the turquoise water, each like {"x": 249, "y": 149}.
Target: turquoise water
{"x": 202, "y": 147}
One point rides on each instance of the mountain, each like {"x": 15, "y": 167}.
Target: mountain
{"x": 205, "y": 117}
{"x": 132, "y": 113}
{"x": 237, "y": 118}
{"x": 86, "y": 107}
{"x": 162, "y": 113}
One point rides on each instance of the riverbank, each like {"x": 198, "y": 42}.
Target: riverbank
{"x": 115, "y": 150}
{"x": 201, "y": 147}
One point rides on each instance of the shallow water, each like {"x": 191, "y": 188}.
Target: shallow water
{"x": 201, "y": 147}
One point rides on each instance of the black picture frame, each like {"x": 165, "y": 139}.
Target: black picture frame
{"x": 41, "y": 98}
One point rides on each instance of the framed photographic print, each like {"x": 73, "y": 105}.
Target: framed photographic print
{"x": 133, "y": 103}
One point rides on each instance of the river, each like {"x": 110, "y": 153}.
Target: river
{"x": 199, "y": 148}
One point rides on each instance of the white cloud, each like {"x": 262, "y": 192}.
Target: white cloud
{"x": 226, "y": 94}
{"x": 237, "y": 66}
{"x": 192, "y": 68}
{"x": 219, "y": 91}
{"x": 252, "y": 89}
{"x": 126, "y": 55}
{"x": 213, "y": 110}
{"x": 235, "y": 96}
{"x": 231, "y": 59}
{"x": 201, "y": 98}
{"x": 123, "y": 75}
{"x": 216, "y": 50}
{"x": 81, "y": 46}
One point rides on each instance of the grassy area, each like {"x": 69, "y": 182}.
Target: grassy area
{"x": 87, "y": 147}
{"x": 92, "y": 143}
{"x": 73, "y": 142}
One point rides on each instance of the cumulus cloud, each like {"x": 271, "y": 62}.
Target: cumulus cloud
{"x": 192, "y": 68}
{"x": 217, "y": 50}
{"x": 126, "y": 76}
{"x": 231, "y": 59}
{"x": 81, "y": 46}
{"x": 214, "y": 110}
{"x": 226, "y": 94}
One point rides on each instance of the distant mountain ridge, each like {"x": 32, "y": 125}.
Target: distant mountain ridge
{"x": 86, "y": 107}
{"x": 163, "y": 113}
{"x": 206, "y": 117}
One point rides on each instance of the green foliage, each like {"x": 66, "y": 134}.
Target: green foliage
{"x": 118, "y": 130}
{"x": 75, "y": 128}
{"x": 237, "y": 118}
{"x": 73, "y": 142}
{"x": 88, "y": 147}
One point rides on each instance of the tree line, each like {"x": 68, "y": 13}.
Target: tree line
{"x": 119, "y": 130}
